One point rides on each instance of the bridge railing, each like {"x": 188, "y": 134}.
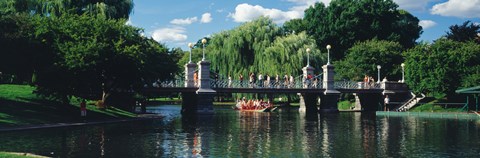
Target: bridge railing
{"x": 299, "y": 84}
{"x": 356, "y": 85}
{"x": 265, "y": 84}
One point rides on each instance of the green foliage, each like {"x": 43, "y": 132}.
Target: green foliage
{"x": 468, "y": 31}
{"x": 345, "y": 105}
{"x": 442, "y": 67}
{"x": 18, "y": 49}
{"x": 260, "y": 47}
{"x": 115, "y": 9}
{"x": 91, "y": 55}
{"x": 362, "y": 59}
{"x": 345, "y": 22}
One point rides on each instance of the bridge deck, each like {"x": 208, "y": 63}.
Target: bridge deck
{"x": 260, "y": 90}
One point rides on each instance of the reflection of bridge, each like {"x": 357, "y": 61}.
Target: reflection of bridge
{"x": 197, "y": 96}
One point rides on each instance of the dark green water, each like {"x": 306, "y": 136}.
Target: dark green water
{"x": 231, "y": 133}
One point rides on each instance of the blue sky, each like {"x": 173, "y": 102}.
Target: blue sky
{"x": 176, "y": 23}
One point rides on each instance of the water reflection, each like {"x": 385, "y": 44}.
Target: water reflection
{"x": 248, "y": 134}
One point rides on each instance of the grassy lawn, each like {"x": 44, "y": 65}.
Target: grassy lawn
{"x": 19, "y": 106}
{"x": 345, "y": 105}
{"x": 16, "y": 155}
{"x": 434, "y": 108}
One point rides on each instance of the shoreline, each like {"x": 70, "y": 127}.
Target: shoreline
{"x": 141, "y": 117}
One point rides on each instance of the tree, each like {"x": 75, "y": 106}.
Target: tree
{"x": 240, "y": 50}
{"x": 442, "y": 67}
{"x": 345, "y": 22}
{"x": 260, "y": 47}
{"x": 363, "y": 58}
{"x": 19, "y": 52}
{"x": 98, "y": 58}
{"x": 468, "y": 31}
{"x": 115, "y": 9}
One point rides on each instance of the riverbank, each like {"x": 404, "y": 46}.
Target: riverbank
{"x": 21, "y": 109}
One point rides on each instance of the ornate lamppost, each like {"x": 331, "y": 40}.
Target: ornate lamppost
{"x": 308, "y": 57}
{"x": 190, "y": 45}
{"x": 204, "y": 41}
{"x": 378, "y": 68}
{"x": 328, "y": 55}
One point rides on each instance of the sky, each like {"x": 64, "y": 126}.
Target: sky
{"x": 179, "y": 22}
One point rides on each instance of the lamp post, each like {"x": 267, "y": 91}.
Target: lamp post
{"x": 378, "y": 68}
{"x": 328, "y": 55}
{"x": 308, "y": 57}
{"x": 403, "y": 72}
{"x": 190, "y": 45}
{"x": 203, "y": 43}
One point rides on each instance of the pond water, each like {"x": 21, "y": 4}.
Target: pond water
{"x": 281, "y": 133}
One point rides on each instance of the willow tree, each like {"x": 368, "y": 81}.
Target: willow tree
{"x": 288, "y": 55}
{"x": 114, "y": 9}
{"x": 241, "y": 50}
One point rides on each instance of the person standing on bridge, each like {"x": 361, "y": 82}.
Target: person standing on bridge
{"x": 195, "y": 79}
{"x": 229, "y": 81}
{"x": 251, "y": 79}
{"x": 260, "y": 80}
{"x": 241, "y": 80}
{"x": 386, "y": 102}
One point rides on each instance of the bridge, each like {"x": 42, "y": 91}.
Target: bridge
{"x": 197, "y": 94}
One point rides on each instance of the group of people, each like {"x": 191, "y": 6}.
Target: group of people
{"x": 267, "y": 81}
{"x": 368, "y": 81}
{"x": 256, "y": 104}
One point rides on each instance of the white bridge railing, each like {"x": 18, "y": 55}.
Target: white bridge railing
{"x": 305, "y": 84}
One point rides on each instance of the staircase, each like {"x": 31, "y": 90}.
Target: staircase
{"x": 410, "y": 103}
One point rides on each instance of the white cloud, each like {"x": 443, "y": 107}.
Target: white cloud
{"x": 414, "y": 5}
{"x": 129, "y": 22}
{"x": 458, "y": 8}
{"x": 186, "y": 21}
{"x": 206, "y": 18}
{"x": 302, "y": 5}
{"x": 427, "y": 24}
{"x": 246, "y": 12}
{"x": 170, "y": 34}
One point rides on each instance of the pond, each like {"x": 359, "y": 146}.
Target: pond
{"x": 282, "y": 133}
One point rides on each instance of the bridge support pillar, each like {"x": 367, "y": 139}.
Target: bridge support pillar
{"x": 329, "y": 101}
{"x": 189, "y": 71}
{"x": 308, "y": 103}
{"x": 358, "y": 104}
{"x": 369, "y": 101}
{"x": 189, "y": 102}
{"x": 205, "y": 94}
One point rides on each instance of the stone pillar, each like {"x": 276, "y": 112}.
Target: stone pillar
{"x": 308, "y": 103}
{"x": 189, "y": 71}
{"x": 358, "y": 104}
{"x": 306, "y": 71}
{"x": 329, "y": 100}
{"x": 307, "y": 100}
{"x": 205, "y": 94}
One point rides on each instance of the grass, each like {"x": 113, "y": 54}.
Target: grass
{"x": 345, "y": 105}
{"x": 16, "y": 155}
{"x": 431, "y": 107}
{"x": 19, "y": 106}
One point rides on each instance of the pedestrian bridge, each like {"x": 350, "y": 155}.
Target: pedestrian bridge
{"x": 306, "y": 86}
{"x": 198, "y": 89}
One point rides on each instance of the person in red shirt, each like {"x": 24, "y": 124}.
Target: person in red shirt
{"x": 83, "y": 108}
